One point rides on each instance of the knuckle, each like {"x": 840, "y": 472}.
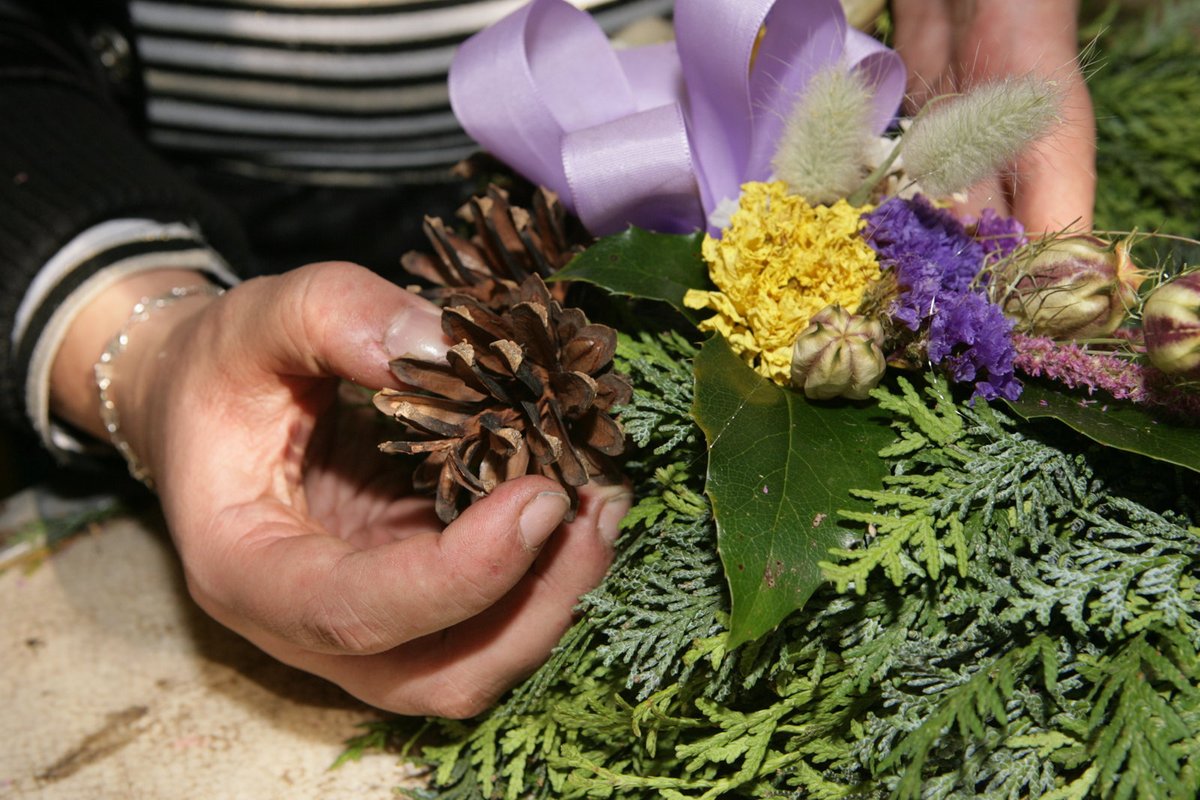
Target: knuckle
{"x": 476, "y": 580}
{"x": 340, "y": 630}
{"x": 329, "y": 280}
{"x": 201, "y": 592}
{"x": 477, "y": 590}
{"x": 463, "y": 702}
{"x": 319, "y": 296}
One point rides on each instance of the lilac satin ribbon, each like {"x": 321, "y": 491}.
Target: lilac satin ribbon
{"x": 654, "y": 136}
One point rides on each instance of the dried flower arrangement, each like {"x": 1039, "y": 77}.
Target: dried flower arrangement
{"x": 918, "y": 519}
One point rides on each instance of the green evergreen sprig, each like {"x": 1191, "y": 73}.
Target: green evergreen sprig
{"x": 1145, "y": 90}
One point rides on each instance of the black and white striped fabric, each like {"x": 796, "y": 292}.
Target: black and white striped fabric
{"x": 326, "y": 91}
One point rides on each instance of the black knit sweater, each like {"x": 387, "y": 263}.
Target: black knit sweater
{"x": 70, "y": 157}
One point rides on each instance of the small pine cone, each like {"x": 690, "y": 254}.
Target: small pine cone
{"x": 508, "y": 245}
{"x": 526, "y": 390}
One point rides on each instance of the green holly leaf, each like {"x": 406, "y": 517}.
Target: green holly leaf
{"x": 779, "y": 469}
{"x": 638, "y": 263}
{"x": 1123, "y": 426}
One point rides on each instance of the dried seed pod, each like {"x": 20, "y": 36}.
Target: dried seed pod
{"x": 838, "y": 355}
{"x": 1171, "y": 325}
{"x": 1077, "y": 287}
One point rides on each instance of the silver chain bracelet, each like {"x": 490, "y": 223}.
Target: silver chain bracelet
{"x": 116, "y": 346}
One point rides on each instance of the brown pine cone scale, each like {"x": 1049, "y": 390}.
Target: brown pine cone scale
{"x": 506, "y": 245}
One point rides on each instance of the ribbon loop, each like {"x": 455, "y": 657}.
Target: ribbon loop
{"x": 655, "y": 136}
{"x": 637, "y": 170}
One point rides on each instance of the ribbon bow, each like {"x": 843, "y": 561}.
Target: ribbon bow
{"x": 655, "y": 136}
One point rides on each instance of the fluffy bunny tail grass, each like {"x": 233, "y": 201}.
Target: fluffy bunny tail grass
{"x": 823, "y": 151}
{"x": 956, "y": 143}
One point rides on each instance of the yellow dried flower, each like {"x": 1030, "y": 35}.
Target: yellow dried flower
{"x": 778, "y": 263}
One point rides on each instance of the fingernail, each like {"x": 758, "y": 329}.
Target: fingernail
{"x": 416, "y": 331}
{"x": 540, "y": 517}
{"x": 611, "y": 514}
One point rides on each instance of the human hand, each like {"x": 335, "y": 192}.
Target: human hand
{"x": 296, "y": 533}
{"x": 952, "y": 45}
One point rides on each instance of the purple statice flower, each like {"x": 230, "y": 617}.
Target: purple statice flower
{"x": 972, "y": 340}
{"x": 935, "y": 262}
{"x": 919, "y": 241}
{"x": 920, "y": 282}
{"x": 999, "y": 236}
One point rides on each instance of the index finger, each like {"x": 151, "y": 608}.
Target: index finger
{"x": 283, "y": 576}
{"x": 1055, "y": 182}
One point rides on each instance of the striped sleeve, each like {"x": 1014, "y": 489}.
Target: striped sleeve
{"x": 349, "y": 92}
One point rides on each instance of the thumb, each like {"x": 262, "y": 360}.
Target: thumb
{"x": 340, "y": 319}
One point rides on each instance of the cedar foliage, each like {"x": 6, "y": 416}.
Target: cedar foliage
{"x": 1145, "y": 87}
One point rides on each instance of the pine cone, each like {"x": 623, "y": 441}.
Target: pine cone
{"x": 526, "y": 390}
{"x": 508, "y": 245}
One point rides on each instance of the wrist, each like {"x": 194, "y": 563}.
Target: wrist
{"x": 144, "y": 365}
{"x": 74, "y": 393}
